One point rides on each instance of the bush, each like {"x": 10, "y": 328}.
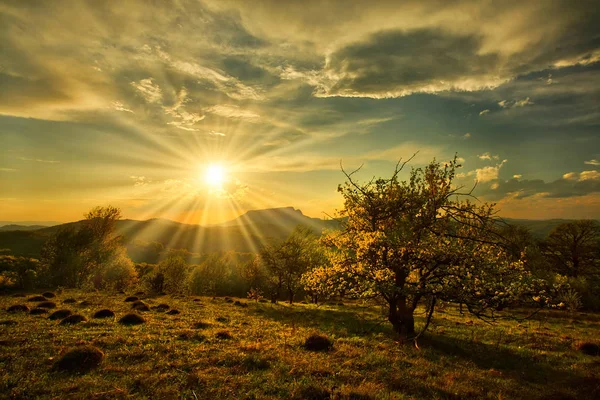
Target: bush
{"x": 118, "y": 274}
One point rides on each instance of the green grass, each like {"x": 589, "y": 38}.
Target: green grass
{"x": 189, "y": 356}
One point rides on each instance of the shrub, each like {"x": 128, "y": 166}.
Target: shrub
{"x": 132, "y": 319}
{"x": 60, "y": 314}
{"x": 117, "y": 274}
{"x": 18, "y": 308}
{"x": 318, "y": 343}
{"x": 80, "y": 359}
{"x": 73, "y": 319}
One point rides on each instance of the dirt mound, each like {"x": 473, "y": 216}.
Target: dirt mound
{"x": 131, "y": 298}
{"x": 132, "y": 319}
{"x": 38, "y": 311}
{"x": 80, "y": 359}
{"x": 49, "y": 295}
{"x": 318, "y": 343}
{"x": 37, "y": 298}
{"x": 60, "y": 314}
{"x": 47, "y": 304}
{"x": 105, "y": 313}
{"x": 589, "y": 348}
{"x": 73, "y": 319}
{"x": 173, "y": 312}
{"x": 18, "y": 308}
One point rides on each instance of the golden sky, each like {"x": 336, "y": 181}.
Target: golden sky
{"x": 129, "y": 103}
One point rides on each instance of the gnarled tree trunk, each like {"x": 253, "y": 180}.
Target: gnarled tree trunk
{"x": 401, "y": 316}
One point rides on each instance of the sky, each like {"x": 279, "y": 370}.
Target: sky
{"x": 130, "y": 103}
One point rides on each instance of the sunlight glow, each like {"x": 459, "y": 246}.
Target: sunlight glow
{"x": 215, "y": 175}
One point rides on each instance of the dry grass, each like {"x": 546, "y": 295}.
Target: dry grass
{"x": 173, "y": 357}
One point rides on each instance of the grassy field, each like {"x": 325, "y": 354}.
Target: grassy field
{"x": 216, "y": 349}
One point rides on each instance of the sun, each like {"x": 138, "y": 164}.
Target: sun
{"x": 215, "y": 175}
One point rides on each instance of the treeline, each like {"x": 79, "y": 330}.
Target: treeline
{"x": 568, "y": 258}
{"x": 91, "y": 256}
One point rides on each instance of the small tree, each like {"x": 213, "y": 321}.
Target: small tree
{"x": 415, "y": 242}
{"x": 175, "y": 271}
{"x": 77, "y": 253}
{"x": 573, "y": 248}
{"x": 288, "y": 261}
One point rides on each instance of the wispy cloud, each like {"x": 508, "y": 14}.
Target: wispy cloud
{"x": 233, "y": 111}
{"x": 39, "y": 160}
{"x": 592, "y": 162}
{"x": 484, "y": 112}
{"x": 515, "y": 103}
{"x": 149, "y": 90}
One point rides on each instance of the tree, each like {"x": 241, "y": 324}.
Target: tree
{"x": 77, "y": 253}
{"x": 23, "y": 271}
{"x": 573, "y": 248}
{"x": 416, "y": 242}
{"x": 289, "y": 260}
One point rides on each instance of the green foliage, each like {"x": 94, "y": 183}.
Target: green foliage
{"x": 415, "y": 242}
{"x": 22, "y": 272}
{"x": 287, "y": 261}
{"x": 175, "y": 271}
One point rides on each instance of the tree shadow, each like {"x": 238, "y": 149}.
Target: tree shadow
{"x": 354, "y": 320}
{"x": 511, "y": 364}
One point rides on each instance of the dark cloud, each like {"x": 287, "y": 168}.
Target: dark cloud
{"x": 399, "y": 63}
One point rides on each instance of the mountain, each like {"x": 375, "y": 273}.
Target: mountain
{"x": 14, "y": 227}
{"x": 145, "y": 239}
{"x": 243, "y": 234}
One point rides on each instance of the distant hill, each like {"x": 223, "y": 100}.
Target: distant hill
{"x": 538, "y": 228}
{"x": 245, "y": 233}
{"x": 14, "y": 227}
{"x": 30, "y": 223}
